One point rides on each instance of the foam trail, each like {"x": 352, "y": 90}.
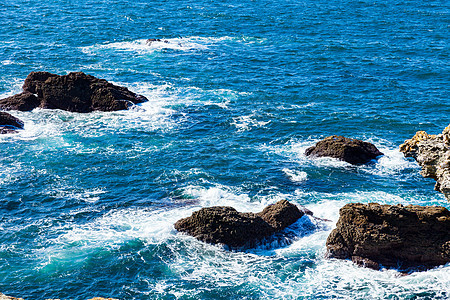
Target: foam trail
{"x": 393, "y": 162}
{"x": 143, "y": 46}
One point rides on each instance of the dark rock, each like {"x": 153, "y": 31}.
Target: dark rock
{"x": 350, "y": 150}
{"x": 9, "y": 123}
{"x": 224, "y": 225}
{"x": 7, "y": 119}
{"x": 35, "y": 80}
{"x": 25, "y": 101}
{"x": 394, "y": 236}
{"x": 281, "y": 214}
{"x": 75, "y": 92}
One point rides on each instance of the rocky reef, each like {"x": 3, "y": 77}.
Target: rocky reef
{"x": 225, "y": 225}
{"x": 432, "y": 153}
{"x": 9, "y": 123}
{"x": 75, "y": 92}
{"x": 349, "y": 150}
{"x": 391, "y": 235}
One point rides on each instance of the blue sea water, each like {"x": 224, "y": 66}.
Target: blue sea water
{"x": 238, "y": 92}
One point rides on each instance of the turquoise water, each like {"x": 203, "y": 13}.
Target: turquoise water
{"x": 237, "y": 94}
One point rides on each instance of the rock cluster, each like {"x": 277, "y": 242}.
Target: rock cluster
{"x": 349, "y": 150}
{"x": 75, "y": 92}
{"x": 391, "y": 235}
{"x": 9, "y": 123}
{"x": 432, "y": 153}
{"x": 225, "y": 225}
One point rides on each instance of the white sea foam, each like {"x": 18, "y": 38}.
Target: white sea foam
{"x": 7, "y": 62}
{"x": 149, "y": 116}
{"x": 87, "y": 195}
{"x": 195, "y": 96}
{"x": 327, "y": 205}
{"x": 297, "y": 269}
{"x": 245, "y": 123}
{"x": 14, "y": 86}
{"x": 295, "y": 150}
{"x": 295, "y": 175}
{"x": 224, "y": 196}
{"x": 393, "y": 162}
{"x": 10, "y": 173}
{"x": 143, "y": 46}
{"x": 154, "y": 226}
{"x": 153, "y": 115}
{"x": 119, "y": 226}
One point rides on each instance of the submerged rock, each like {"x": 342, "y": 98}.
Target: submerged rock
{"x": 225, "y": 225}
{"x": 9, "y": 123}
{"x": 150, "y": 41}
{"x": 75, "y": 92}
{"x": 432, "y": 153}
{"x": 391, "y": 235}
{"x": 349, "y": 150}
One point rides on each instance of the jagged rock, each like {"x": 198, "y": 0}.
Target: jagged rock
{"x": 75, "y": 92}
{"x": 350, "y": 150}
{"x": 225, "y": 225}
{"x": 4, "y": 297}
{"x": 391, "y": 235}
{"x": 9, "y": 123}
{"x": 432, "y": 153}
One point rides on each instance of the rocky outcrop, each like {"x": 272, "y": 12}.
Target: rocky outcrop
{"x": 225, "y": 225}
{"x": 9, "y": 123}
{"x": 350, "y": 150}
{"x": 432, "y": 153}
{"x": 391, "y": 235}
{"x": 75, "y": 92}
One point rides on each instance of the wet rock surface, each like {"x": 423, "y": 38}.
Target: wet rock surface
{"x": 349, "y": 150}
{"x": 225, "y": 225}
{"x": 9, "y": 123}
{"x": 75, "y": 92}
{"x": 394, "y": 236}
{"x": 432, "y": 153}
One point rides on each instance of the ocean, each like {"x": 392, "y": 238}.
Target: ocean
{"x": 237, "y": 91}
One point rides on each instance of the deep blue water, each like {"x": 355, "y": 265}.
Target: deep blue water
{"x": 237, "y": 94}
